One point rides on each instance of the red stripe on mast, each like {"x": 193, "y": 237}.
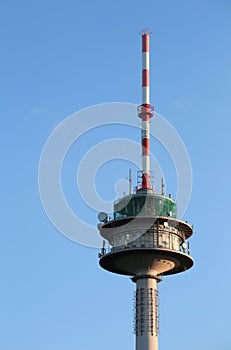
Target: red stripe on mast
{"x": 145, "y": 77}
{"x": 145, "y": 42}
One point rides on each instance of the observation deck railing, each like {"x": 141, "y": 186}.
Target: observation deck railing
{"x": 150, "y": 243}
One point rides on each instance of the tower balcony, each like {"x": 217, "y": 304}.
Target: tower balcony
{"x": 142, "y": 243}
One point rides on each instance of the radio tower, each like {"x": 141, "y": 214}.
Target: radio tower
{"x": 146, "y": 240}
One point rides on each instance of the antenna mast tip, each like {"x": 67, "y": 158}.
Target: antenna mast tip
{"x": 145, "y": 31}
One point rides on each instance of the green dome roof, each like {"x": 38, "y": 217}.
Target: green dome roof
{"x": 144, "y": 205}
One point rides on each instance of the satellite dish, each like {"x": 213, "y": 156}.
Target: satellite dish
{"x": 102, "y": 216}
{"x": 184, "y": 246}
{"x": 165, "y": 224}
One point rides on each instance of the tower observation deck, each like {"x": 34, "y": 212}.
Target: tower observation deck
{"x": 146, "y": 239}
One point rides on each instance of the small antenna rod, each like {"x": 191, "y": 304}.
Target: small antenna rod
{"x": 130, "y": 181}
{"x": 162, "y": 186}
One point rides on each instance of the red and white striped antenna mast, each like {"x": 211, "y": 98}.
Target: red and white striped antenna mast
{"x": 145, "y": 110}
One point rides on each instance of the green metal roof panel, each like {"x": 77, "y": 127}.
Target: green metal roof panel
{"x": 145, "y": 205}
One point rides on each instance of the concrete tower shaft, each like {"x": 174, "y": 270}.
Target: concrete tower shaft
{"x": 146, "y": 313}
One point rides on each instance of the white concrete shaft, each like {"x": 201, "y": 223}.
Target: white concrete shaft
{"x": 146, "y": 314}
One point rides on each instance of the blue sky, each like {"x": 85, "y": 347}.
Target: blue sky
{"x": 59, "y": 57}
